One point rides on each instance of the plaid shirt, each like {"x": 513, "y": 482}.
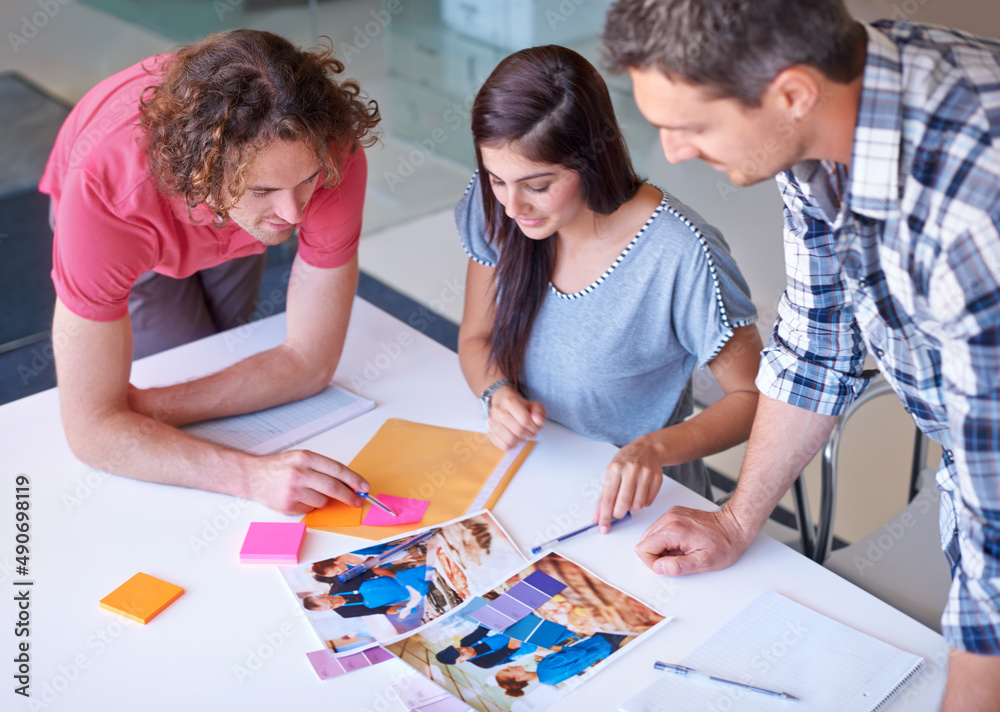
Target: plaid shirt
{"x": 899, "y": 258}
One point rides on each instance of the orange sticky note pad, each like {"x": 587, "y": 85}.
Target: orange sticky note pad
{"x": 333, "y": 514}
{"x": 141, "y": 598}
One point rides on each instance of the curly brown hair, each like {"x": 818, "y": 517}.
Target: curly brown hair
{"x": 226, "y": 97}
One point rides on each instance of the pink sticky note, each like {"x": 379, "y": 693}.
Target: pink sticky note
{"x": 408, "y": 511}
{"x": 273, "y": 543}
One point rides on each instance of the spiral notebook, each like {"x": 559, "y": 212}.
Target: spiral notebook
{"x": 781, "y": 645}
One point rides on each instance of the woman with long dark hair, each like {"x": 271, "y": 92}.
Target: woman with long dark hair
{"x": 592, "y": 296}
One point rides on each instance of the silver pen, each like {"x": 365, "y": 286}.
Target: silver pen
{"x": 371, "y": 498}
{"x": 686, "y": 671}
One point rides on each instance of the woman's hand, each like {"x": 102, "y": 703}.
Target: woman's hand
{"x": 513, "y": 419}
{"x": 631, "y": 481}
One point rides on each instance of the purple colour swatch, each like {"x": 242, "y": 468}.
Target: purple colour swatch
{"x": 493, "y": 619}
{"x": 515, "y": 607}
{"x": 448, "y": 704}
{"x": 378, "y": 655}
{"x": 527, "y": 595}
{"x": 327, "y": 665}
{"x": 545, "y": 583}
{"x": 354, "y": 662}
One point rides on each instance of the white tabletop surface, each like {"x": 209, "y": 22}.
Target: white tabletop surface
{"x": 236, "y": 639}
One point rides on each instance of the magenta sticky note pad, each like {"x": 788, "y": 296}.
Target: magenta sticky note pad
{"x": 273, "y": 543}
{"x": 408, "y": 511}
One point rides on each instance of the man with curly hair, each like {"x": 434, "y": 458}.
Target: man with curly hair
{"x": 168, "y": 181}
{"x": 885, "y": 142}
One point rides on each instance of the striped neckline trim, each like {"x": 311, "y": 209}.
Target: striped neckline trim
{"x": 628, "y": 248}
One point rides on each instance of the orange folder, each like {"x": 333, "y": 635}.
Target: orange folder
{"x": 445, "y": 466}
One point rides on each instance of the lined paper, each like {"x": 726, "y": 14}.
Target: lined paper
{"x": 268, "y": 431}
{"x": 783, "y": 646}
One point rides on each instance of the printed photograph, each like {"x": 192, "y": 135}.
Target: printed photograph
{"x": 395, "y": 587}
{"x": 528, "y": 642}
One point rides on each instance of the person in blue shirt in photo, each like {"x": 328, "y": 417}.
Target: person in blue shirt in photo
{"x": 379, "y": 594}
{"x": 484, "y": 649}
{"x": 557, "y": 667}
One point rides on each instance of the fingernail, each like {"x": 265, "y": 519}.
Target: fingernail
{"x": 605, "y": 529}
{"x": 658, "y": 567}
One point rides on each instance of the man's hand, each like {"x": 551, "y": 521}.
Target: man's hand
{"x": 687, "y": 541}
{"x": 299, "y": 481}
{"x": 631, "y": 481}
{"x": 513, "y": 419}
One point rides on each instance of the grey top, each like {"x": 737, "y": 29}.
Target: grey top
{"x": 613, "y": 361}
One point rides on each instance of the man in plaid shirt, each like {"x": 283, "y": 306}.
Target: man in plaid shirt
{"x": 885, "y": 141}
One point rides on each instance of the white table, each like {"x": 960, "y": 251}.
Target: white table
{"x": 236, "y": 639}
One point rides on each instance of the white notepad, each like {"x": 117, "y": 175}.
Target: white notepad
{"x": 780, "y": 645}
{"x": 274, "y": 429}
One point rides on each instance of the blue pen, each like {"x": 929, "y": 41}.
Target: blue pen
{"x": 370, "y": 498}
{"x": 558, "y": 540}
{"x": 690, "y": 672}
{"x": 385, "y": 556}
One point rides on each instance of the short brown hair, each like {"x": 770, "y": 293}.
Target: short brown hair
{"x": 734, "y": 48}
{"x": 224, "y": 98}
